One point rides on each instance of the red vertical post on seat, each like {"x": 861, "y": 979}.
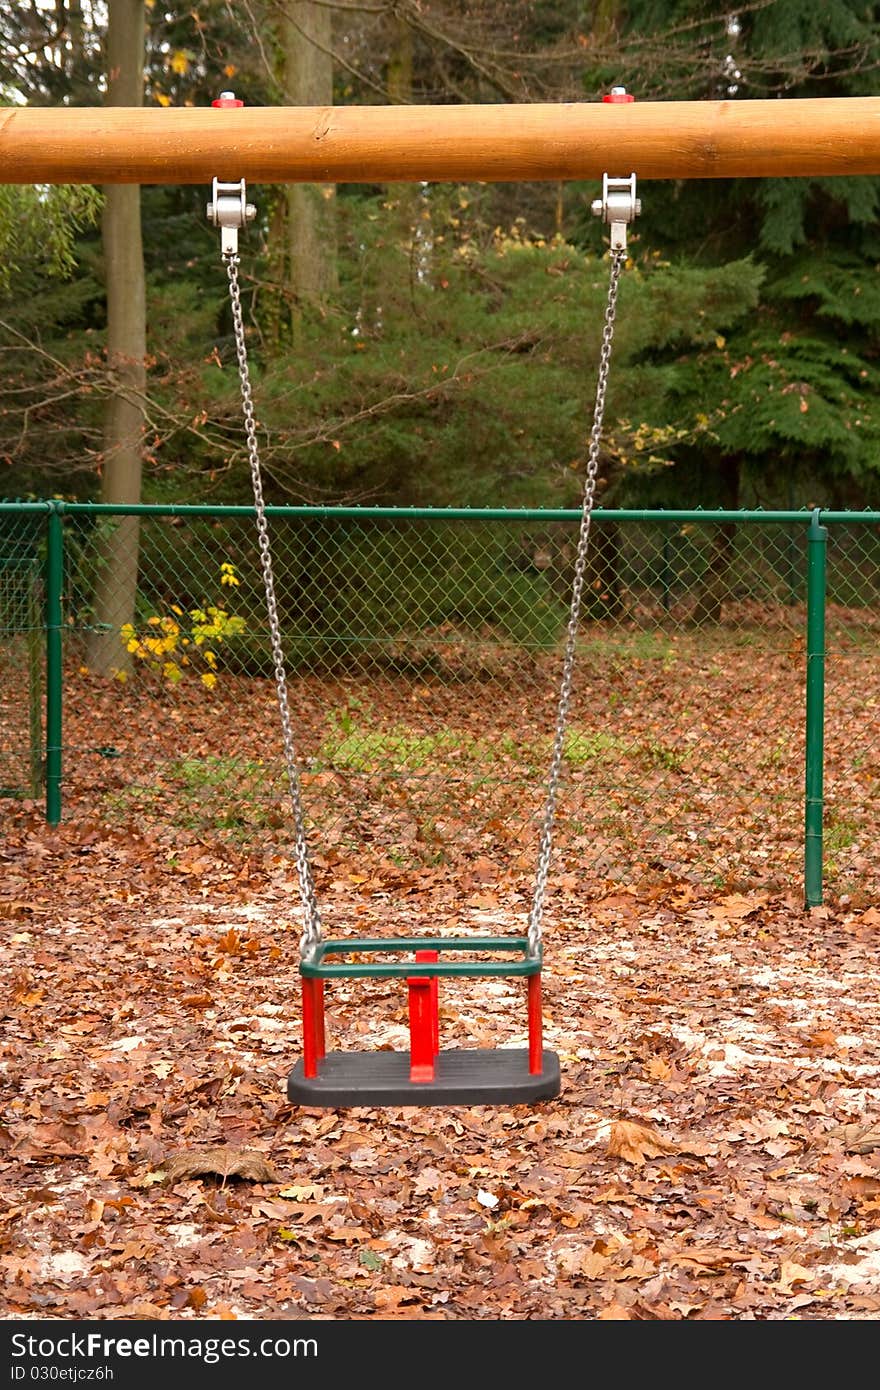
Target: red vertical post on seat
{"x": 536, "y": 1027}
{"x": 312, "y": 1025}
{"x": 424, "y": 1021}
{"x": 435, "y": 1003}
{"x": 319, "y": 1023}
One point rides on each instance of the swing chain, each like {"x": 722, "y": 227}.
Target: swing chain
{"x": 311, "y": 935}
{"x": 536, "y": 915}
{"x": 617, "y": 216}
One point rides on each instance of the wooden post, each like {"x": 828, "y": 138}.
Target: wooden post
{"x": 813, "y": 137}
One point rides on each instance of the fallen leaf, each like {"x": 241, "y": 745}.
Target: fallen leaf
{"x": 589, "y": 1263}
{"x": 615, "y": 1312}
{"x": 735, "y": 905}
{"x": 197, "y": 1001}
{"x": 791, "y": 1274}
{"x": 635, "y": 1143}
{"x": 707, "y": 1258}
{"x": 220, "y": 1162}
{"x": 394, "y": 1295}
{"x": 857, "y": 1139}
{"x": 658, "y": 1068}
{"x": 823, "y": 1038}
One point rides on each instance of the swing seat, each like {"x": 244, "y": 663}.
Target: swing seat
{"x": 426, "y": 1075}
{"x": 463, "y": 1076}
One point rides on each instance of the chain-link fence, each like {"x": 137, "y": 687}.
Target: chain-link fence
{"x": 423, "y": 650}
{"x": 852, "y": 705}
{"x": 21, "y": 651}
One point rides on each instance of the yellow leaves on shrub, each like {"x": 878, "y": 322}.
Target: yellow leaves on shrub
{"x": 168, "y": 645}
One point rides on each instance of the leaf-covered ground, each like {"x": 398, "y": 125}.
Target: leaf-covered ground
{"x": 711, "y": 1154}
{"x": 684, "y": 753}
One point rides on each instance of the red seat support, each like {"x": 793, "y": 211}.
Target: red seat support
{"x": 424, "y": 1021}
{"x": 314, "y": 1044}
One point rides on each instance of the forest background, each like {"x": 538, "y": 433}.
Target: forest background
{"x": 437, "y": 344}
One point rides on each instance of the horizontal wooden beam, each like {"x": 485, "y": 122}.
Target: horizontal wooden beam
{"x": 387, "y": 144}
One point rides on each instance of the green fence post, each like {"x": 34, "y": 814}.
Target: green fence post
{"x": 54, "y": 617}
{"x": 817, "y": 563}
{"x": 35, "y": 679}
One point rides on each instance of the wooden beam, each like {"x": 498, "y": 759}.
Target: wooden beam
{"x": 379, "y": 144}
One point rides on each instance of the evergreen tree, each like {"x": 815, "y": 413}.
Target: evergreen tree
{"x": 791, "y": 396}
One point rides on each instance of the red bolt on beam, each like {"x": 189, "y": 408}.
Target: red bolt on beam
{"x": 424, "y": 1021}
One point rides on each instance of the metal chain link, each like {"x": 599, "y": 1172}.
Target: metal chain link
{"x": 311, "y": 935}
{"x": 536, "y": 915}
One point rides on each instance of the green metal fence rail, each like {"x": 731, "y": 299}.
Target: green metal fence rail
{"x": 423, "y": 645}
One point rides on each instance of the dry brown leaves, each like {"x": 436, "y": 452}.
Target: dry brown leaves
{"x": 713, "y": 1154}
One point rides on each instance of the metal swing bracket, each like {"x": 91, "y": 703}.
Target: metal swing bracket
{"x": 230, "y": 210}
{"x": 617, "y": 207}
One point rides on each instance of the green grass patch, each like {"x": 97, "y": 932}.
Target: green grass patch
{"x": 211, "y": 793}
{"x": 657, "y": 754}
{"x": 196, "y": 774}
{"x": 359, "y": 749}
{"x": 581, "y": 748}
{"x": 623, "y": 646}
{"x": 839, "y": 834}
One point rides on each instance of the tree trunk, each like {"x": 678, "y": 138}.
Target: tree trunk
{"x": 116, "y": 582}
{"x": 399, "y": 80}
{"x": 306, "y": 39}
{"x": 715, "y": 585}
{"x": 79, "y": 68}
{"x": 603, "y": 598}
{"x": 601, "y": 595}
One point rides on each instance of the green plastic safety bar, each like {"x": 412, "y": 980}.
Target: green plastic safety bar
{"x": 316, "y": 967}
